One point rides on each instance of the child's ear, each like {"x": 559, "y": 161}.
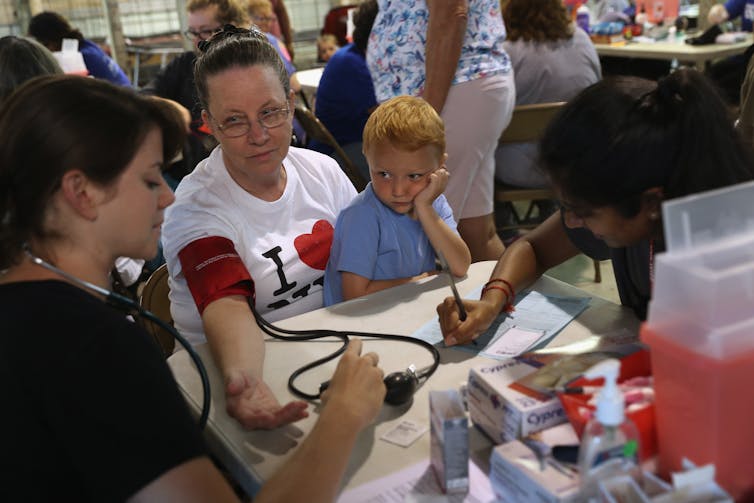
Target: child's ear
{"x": 444, "y": 160}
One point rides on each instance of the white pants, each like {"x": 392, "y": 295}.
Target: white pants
{"x": 475, "y": 115}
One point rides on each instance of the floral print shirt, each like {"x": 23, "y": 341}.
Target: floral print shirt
{"x": 396, "y": 49}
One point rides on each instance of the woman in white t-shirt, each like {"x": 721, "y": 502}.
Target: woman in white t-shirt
{"x": 253, "y": 222}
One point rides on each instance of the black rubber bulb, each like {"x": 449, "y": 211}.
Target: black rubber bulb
{"x": 400, "y": 387}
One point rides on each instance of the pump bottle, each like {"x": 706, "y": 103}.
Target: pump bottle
{"x": 610, "y": 443}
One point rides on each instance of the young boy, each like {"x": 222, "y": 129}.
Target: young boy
{"x": 388, "y": 235}
{"x": 327, "y": 44}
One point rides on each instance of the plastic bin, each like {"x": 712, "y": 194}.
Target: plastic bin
{"x": 700, "y": 331}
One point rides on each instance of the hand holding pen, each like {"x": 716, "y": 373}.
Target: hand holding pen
{"x": 452, "y": 282}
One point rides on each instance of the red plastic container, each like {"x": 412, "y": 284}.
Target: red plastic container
{"x": 704, "y": 411}
{"x": 634, "y": 365}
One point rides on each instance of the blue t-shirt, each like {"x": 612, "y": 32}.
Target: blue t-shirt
{"x": 377, "y": 243}
{"x": 100, "y": 65}
{"x": 345, "y": 95}
{"x": 743, "y": 8}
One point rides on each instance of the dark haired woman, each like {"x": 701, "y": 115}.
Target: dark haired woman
{"x": 50, "y": 28}
{"x": 253, "y": 220}
{"x": 552, "y": 61}
{"x": 91, "y": 409}
{"x": 614, "y": 154}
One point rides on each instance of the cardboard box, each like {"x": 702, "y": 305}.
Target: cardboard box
{"x": 449, "y": 437}
{"x": 503, "y": 413}
{"x": 517, "y": 475}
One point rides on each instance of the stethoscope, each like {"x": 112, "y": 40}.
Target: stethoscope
{"x": 400, "y": 385}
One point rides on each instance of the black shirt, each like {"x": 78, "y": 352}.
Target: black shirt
{"x": 91, "y": 411}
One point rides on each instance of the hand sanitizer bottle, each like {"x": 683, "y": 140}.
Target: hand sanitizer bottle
{"x": 610, "y": 443}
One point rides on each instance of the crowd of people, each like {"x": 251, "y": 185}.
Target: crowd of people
{"x": 257, "y": 226}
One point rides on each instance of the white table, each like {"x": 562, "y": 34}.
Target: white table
{"x": 253, "y": 456}
{"x": 309, "y": 80}
{"x": 699, "y": 56}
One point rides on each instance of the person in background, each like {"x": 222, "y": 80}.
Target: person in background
{"x": 262, "y": 16}
{"x": 730, "y": 73}
{"x": 345, "y": 96}
{"x": 393, "y": 231}
{"x": 22, "y": 59}
{"x": 733, "y": 9}
{"x": 552, "y": 62}
{"x": 90, "y": 393}
{"x": 282, "y": 28}
{"x": 176, "y": 81}
{"x": 614, "y": 154}
{"x": 50, "y": 28}
{"x": 252, "y": 224}
{"x": 450, "y": 52}
{"x": 327, "y": 44}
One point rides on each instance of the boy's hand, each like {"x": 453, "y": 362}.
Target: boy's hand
{"x": 438, "y": 180}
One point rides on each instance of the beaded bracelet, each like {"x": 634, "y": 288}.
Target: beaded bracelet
{"x": 510, "y": 295}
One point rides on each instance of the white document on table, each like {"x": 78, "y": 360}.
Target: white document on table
{"x": 418, "y": 484}
{"x": 536, "y": 314}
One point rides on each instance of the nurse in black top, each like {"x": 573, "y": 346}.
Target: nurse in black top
{"x": 90, "y": 409}
{"x": 613, "y": 155}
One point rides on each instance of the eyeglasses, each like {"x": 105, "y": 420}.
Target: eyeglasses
{"x": 239, "y": 125}
{"x": 201, "y": 34}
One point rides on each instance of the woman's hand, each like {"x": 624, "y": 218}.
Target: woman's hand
{"x": 479, "y": 316}
{"x": 251, "y": 402}
{"x": 356, "y": 389}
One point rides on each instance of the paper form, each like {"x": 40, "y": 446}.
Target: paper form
{"x": 418, "y": 484}
{"x": 535, "y": 312}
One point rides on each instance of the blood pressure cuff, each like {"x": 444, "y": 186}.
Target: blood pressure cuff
{"x": 213, "y": 270}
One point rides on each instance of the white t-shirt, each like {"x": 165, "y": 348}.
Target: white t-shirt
{"x": 284, "y": 244}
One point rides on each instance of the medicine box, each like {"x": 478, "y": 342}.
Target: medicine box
{"x": 517, "y": 475}
{"x": 449, "y": 438}
{"x": 503, "y": 413}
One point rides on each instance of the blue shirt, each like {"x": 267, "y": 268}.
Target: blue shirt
{"x": 100, "y": 65}
{"x": 345, "y": 95}
{"x": 743, "y": 8}
{"x": 377, "y": 243}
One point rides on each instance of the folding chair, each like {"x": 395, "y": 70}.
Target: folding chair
{"x": 316, "y": 130}
{"x": 528, "y": 124}
{"x": 154, "y": 297}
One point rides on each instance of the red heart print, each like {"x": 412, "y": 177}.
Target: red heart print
{"x": 314, "y": 249}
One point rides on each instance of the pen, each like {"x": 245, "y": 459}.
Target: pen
{"x": 459, "y": 302}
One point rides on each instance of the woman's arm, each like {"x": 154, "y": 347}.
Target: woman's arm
{"x": 314, "y": 472}
{"x": 196, "y": 480}
{"x": 354, "y": 286}
{"x": 237, "y": 345}
{"x": 521, "y": 264}
{"x": 445, "y": 33}
{"x": 352, "y": 401}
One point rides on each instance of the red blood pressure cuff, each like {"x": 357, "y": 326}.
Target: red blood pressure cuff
{"x": 214, "y": 270}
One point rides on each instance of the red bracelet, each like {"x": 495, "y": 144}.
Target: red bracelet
{"x": 510, "y": 295}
